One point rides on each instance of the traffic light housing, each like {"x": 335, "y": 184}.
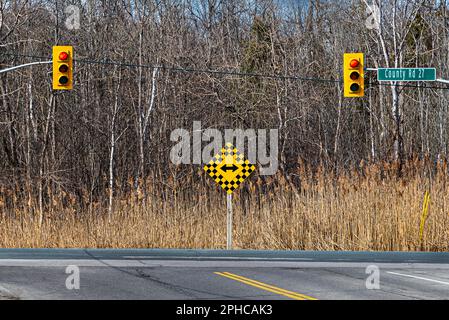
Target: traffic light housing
{"x": 62, "y": 67}
{"x": 354, "y": 75}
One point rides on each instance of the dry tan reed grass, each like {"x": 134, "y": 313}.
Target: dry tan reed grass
{"x": 370, "y": 208}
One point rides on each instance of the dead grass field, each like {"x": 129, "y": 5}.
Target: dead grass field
{"x": 365, "y": 209}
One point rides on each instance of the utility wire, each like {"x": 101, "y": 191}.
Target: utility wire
{"x": 226, "y": 72}
{"x": 187, "y": 70}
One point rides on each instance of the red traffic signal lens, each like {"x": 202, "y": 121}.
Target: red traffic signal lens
{"x": 63, "y": 56}
{"x": 63, "y": 68}
{"x": 355, "y": 87}
{"x": 355, "y": 75}
{"x": 63, "y": 80}
{"x": 354, "y": 63}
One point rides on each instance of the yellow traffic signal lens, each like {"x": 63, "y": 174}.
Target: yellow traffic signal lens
{"x": 355, "y": 75}
{"x": 63, "y": 68}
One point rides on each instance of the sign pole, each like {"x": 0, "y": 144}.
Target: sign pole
{"x": 229, "y": 222}
{"x": 229, "y": 169}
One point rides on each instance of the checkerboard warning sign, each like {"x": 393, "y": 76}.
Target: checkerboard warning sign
{"x": 229, "y": 168}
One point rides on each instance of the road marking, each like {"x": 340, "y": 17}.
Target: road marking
{"x": 420, "y": 278}
{"x": 266, "y": 287}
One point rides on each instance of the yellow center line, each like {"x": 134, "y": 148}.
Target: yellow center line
{"x": 266, "y": 287}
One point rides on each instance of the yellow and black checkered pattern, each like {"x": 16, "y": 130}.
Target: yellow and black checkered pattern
{"x": 229, "y": 168}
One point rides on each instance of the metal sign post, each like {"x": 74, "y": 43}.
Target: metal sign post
{"x": 229, "y": 222}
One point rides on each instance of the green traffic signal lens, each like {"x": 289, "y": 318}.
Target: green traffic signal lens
{"x": 355, "y": 87}
{"x": 63, "y": 80}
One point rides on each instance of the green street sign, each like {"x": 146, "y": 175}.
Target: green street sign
{"x": 406, "y": 74}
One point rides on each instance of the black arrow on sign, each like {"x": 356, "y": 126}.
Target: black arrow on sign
{"x": 229, "y": 168}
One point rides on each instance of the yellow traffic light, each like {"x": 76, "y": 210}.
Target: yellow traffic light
{"x": 354, "y": 75}
{"x": 62, "y": 67}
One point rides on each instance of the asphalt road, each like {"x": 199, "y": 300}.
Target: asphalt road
{"x": 215, "y": 274}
